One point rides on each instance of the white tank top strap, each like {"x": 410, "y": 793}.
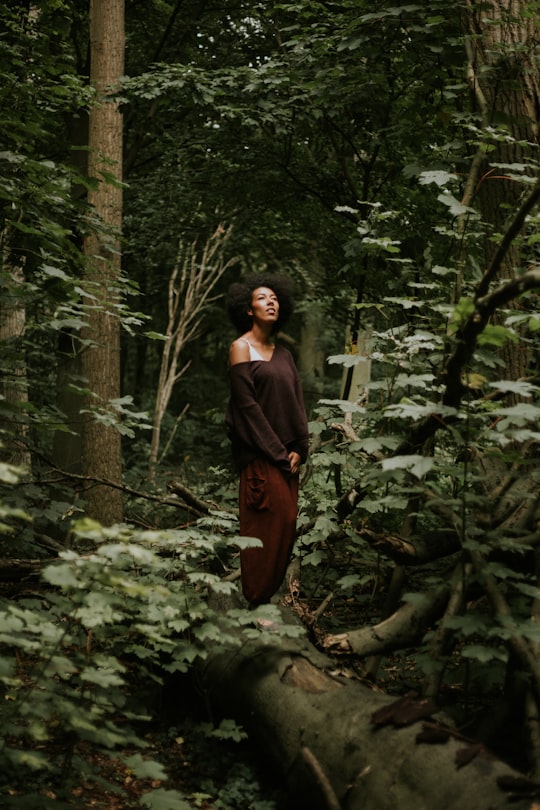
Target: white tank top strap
{"x": 253, "y": 353}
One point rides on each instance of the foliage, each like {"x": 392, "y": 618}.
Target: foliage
{"x": 45, "y": 300}
{"x": 82, "y": 662}
{"x": 457, "y": 482}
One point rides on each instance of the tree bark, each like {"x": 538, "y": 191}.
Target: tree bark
{"x": 504, "y": 79}
{"x": 404, "y": 628}
{"x": 101, "y": 446}
{"x": 335, "y": 743}
{"x": 14, "y": 383}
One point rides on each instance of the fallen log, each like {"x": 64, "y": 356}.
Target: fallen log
{"x": 405, "y": 627}
{"x": 413, "y": 550}
{"x": 335, "y": 743}
{"x": 16, "y": 570}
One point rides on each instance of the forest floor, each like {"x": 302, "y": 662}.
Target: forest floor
{"x": 216, "y": 774}
{"x": 213, "y": 773}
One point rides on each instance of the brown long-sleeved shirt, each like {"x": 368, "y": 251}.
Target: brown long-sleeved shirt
{"x": 266, "y": 415}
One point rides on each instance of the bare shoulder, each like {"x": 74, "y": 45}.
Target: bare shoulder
{"x": 239, "y": 351}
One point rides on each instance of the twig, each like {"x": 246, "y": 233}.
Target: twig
{"x": 329, "y": 795}
{"x": 191, "y": 500}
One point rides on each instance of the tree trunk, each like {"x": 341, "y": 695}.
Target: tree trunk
{"x": 337, "y": 744}
{"x": 505, "y": 82}
{"x": 14, "y": 384}
{"x": 101, "y": 449}
{"x": 310, "y": 354}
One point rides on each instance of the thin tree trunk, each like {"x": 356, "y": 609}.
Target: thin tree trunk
{"x": 14, "y": 385}
{"x": 101, "y": 449}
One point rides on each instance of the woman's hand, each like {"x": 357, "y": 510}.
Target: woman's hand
{"x": 295, "y": 461}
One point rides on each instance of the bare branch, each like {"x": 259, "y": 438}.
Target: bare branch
{"x": 510, "y": 234}
{"x": 191, "y": 291}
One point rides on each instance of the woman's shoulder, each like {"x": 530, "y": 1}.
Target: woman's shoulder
{"x": 239, "y": 351}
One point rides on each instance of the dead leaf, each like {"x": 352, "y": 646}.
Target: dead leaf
{"x": 404, "y": 712}
{"x": 519, "y": 784}
{"x": 466, "y": 755}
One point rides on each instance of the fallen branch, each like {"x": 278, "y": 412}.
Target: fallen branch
{"x": 413, "y": 550}
{"x": 190, "y": 499}
{"x": 402, "y": 629}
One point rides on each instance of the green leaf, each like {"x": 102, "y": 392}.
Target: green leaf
{"x": 382, "y": 504}
{"x": 520, "y": 387}
{"x": 529, "y": 590}
{"x": 314, "y": 557}
{"x": 62, "y": 576}
{"x": 54, "y": 272}
{"x": 9, "y": 474}
{"x": 493, "y": 335}
{"x": 456, "y": 208}
{"x": 416, "y": 598}
{"x": 343, "y": 405}
{"x": 469, "y": 624}
{"x": 348, "y": 581}
{"x": 530, "y": 629}
{"x": 156, "y": 336}
{"x": 246, "y": 542}
{"x": 208, "y": 632}
{"x": 482, "y": 654}
{"x": 346, "y": 360}
{"x": 463, "y": 310}
{"x": 145, "y": 768}
{"x": 409, "y": 410}
{"x": 415, "y": 464}
{"x": 59, "y": 665}
{"x": 440, "y": 178}
{"x": 324, "y": 525}
{"x": 101, "y": 677}
{"x": 439, "y": 270}
{"x": 405, "y": 303}
{"x": 28, "y": 759}
{"x": 516, "y": 414}
{"x": 371, "y": 444}
{"x": 228, "y": 729}
{"x": 6, "y": 665}
{"x": 414, "y": 380}
{"x": 162, "y": 799}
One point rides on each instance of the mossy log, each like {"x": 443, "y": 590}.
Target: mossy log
{"x": 334, "y": 742}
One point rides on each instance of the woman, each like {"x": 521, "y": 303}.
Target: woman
{"x": 268, "y": 429}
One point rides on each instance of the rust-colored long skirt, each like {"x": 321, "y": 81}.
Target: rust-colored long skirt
{"x": 268, "y": 508}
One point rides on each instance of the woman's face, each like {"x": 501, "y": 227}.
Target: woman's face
{"x": 264, "y": 305}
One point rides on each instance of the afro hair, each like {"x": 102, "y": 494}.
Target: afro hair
{"x": 240, "y": 296}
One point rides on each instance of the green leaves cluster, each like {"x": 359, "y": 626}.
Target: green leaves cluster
{"x": 475, "y": 476}
{"x": 79, "y": 661}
